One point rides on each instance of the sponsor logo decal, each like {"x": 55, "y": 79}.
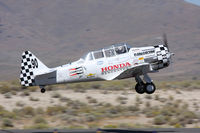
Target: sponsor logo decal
{"x": 141, "y": 58}
{"x": 90, "y": 75}
{"x": 114, "y": 68}
{"x": 144, "y": 52}
{"x": 75, "y": 71}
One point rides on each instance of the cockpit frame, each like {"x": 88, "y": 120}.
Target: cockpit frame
{"x": 107, "y": 52}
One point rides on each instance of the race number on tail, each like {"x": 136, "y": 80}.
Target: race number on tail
{"x": 30, "y": 67}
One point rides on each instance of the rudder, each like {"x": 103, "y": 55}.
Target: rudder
{"x": 30, "y": 66}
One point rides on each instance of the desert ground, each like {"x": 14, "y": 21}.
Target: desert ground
{"x": 99, "y": 104}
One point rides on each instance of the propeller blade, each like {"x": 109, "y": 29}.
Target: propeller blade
{"x": 165, "y": 40}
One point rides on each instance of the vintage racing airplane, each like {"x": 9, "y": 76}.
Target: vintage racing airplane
{"x": 118, "y": 61}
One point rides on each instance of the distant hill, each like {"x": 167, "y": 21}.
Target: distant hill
{"x": 59, "y": 31}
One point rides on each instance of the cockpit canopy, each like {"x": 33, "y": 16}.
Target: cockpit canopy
{"x": 110, "y": 51}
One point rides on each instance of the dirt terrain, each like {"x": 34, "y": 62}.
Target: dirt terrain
{"x": 77, "y": 107}
{"x": 45, "y": 100}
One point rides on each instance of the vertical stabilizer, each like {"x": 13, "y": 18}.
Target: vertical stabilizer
{"x": 30, "y": 66}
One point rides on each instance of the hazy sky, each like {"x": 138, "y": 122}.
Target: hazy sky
{"x": 196, "y": 2}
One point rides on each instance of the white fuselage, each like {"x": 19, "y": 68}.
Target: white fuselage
{"x": 106, "y": 68}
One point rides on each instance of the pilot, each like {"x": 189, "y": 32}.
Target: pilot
{"x": 111, "y": 53}
{"x": 120, "y": 50}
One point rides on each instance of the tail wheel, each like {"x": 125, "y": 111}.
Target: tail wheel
{"x": 140, "y": 88}
{"x": 150, "y": 88}
{"x": 43, "y": 90}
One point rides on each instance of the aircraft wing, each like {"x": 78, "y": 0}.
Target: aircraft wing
{"x": 133, "y": 71}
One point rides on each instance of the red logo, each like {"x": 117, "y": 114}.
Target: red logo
{"x": 115, "y": 67}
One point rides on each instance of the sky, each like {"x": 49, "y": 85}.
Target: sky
{"x": 196, "y": 2}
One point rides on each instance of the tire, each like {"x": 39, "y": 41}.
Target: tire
{"x": 150, "y": 88}
{"x": 140, "y": 88}
{"x": 43, "y": 90}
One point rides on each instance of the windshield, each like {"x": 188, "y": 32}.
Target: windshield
{"x": 98, "y": 54}
{"x": 87, "y": 56}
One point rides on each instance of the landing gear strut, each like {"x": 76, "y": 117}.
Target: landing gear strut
{"x": 141, "y": 87}
{"x": 42, "y": 89}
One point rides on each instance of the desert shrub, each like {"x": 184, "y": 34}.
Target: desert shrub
{"x": 33, "y": 99}
{"x": 120, "y": 98}
{"x": 55, "y": 110}
{"x": 148, "y": 104}
{"x": 178, "y": 92}
{"x": 133, "y": 108}
{"x": 29, "y": 111}
{"x": 90, "y": 118}
{"x": 5, "y": 89}
{"x": 186, "y": 84}
{"x": 110, "y": 126}
{"x": 7, "y": 114}
{"x": 78, "y": 86}
{"x": 173, "y": 121}
{"x": 7, "y": 95}
{"x": 171, "y": 98}
{"x": 157, "y": 97}
{"x": 25, "y": 93}
{"x": 80, "y": 90}
{"x": 105, "y": 92}
{"x": 39, "y": 110}
{"x": 96, "y": 86}
{"x": 185, "y": 106}
{"x": 7, "y": 123}
{"x": 76, "y": 127}
{"x": 20, "y": 104}
{"x": 123, "y": 102}
{"x": 138, "y": 100}
{"x": 93, "y": 125}
{"x": 92, "y": 100}
{"x": 64, "y": 99}
{"x": 189, "y": 115}
{"x": 125, "y": 125}
{"x": 162, "y": 100}
{"x": 177, "y": 125}
{"x": 40, "y": 119}
{"x": 39, "y": 126}
{"x": 148, "y": 96}
{"x": 56, "y": 95}
{"x": 13, "y": 92}
{"x": 159, "y": 120}
{"x": 32, "y": 89}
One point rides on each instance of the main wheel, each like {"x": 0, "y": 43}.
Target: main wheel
{"x": 140, "y": 88}
{"x": 43, "y": 90}
{"x": 150, "y": 88}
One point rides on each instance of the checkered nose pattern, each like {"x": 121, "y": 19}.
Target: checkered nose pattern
{"x": 26, "y": 76}
{"x": 162, "y": 54}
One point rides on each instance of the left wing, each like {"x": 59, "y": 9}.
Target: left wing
{"x": 133, "y": 71}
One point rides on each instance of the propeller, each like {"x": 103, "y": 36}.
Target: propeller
{"x": 165, "y": 40}
{"x": 166, "y": 44}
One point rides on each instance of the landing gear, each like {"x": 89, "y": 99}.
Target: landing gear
{"x": 141, "y": 87}
{"x": 42, "y": 89}
{"x": 150, "y": 88}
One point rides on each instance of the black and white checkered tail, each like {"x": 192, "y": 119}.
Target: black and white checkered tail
{"x": 163, "y": 55}
{"x": 30, "y": 67}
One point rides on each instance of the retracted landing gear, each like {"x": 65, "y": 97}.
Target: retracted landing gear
{"x": 141, "y": 87}
{"x": 42, "y": 89}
